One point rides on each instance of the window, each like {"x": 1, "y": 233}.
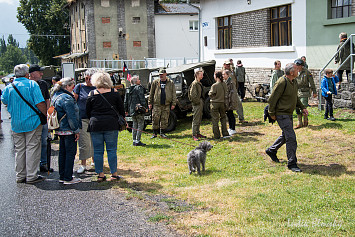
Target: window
{"x": 193, "y": 26}
{"x": 137, "y": 43}
{"x": 105, "y": 20}
{"x": 281, "y": 26}
{"x": 136, "y": 20}
{"x": 340, "y": 8}
{"x": 224, "y": 32}
{"x": 107, "y": 44}
{"x": 135, "y": 3}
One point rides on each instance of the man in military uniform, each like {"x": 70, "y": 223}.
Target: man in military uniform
{"x": 227, "y": 66}
{"x": 196, "y": 97}
{"x": 305, "y": 85}
{"x": 162, "y": 98}
{"x": 276, "y": 74}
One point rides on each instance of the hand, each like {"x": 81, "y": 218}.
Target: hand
{"x": 150, "y": 107}
{"x": 172, "y": 107}
{"x": 314, "y": 95}
{"x": 77, "y": 135}
{"x": 329, "y": 93}
{"x": 273, "y": 117}
{"x": 126, "y": 113}
{"x": 336, "y": 62}
{"x": 305, "y": 112}
{"x": 146, "y": 110}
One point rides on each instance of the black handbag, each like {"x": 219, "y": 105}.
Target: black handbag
{"x": 41, "y": 116}
{"x": 140, "y": 109}
{"x": 121, "y": 121}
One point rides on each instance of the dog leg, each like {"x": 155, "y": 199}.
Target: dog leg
{"x": 203, "y": 165}
{"x": 198, "y": 169}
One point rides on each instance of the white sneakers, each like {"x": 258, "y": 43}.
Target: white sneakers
{"x": 73, "y": 181}
{"x": 81, "y": 169}
{"x": 231, "y": 132}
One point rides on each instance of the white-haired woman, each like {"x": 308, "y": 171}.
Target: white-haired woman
{"x": 103, "y": 124}
{"x": 81, "y": 92}
{"x": 69, "y": 128}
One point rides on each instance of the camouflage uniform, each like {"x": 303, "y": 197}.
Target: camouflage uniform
{"x": 160, "y": 111}
{"x": 196, "y": 97}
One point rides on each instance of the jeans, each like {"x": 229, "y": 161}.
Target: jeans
{"x": 288, "y": 136}
{"x": 67, "y": 152}
{"x": 99, "y": 139}
{"x": 138, "y": 123}
{"x": 44, "y": 137}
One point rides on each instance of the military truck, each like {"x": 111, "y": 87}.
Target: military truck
{"x": 183, "y": 76}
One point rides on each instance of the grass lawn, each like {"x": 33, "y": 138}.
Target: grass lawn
{"x": 243, "y": 193}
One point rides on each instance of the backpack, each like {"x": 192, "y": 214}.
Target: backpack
{"x": 52, "y": 117}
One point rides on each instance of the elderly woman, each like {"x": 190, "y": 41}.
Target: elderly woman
{"x": 101, "y": 107}
{"x": 219, "y": 98}
{"x": 69, "y": 126}
{"x": 133, "y": 99}
{"x": 81, "y": 92}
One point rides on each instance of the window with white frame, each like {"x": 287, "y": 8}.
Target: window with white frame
{"x": 105, "y": 3}
{"x": 193, "y": 25}
{"x": 340, "y": 8}
{"x": 135, "y": 3}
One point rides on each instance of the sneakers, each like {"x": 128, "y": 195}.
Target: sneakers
{"x": 153, "y": 136}
{"x": 73, "y": 181}
{"x": 224, "y": 137}
{"x": 39, "y": 179}
{"x": 81, "y": 169}
{"x": 163, "y": 135}
{"x": 201, "y": 136}
{"x": 43, "y": 168}
{"x": 139, "y": 144}
{"x": 331, "y": 118}
{"x": 272, "y": 156}
{"x": 19, "y": 181}
{"x": 231, "y": 132}
{"x": 195, "y": 138}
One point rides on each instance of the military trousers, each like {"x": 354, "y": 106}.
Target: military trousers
{"x": 240, "y": 110}
{"x": 160, "y": 118}
{"x": 218, "y": 113}
{"x": 304, "y": 101}
{"x": 197, "y": 117}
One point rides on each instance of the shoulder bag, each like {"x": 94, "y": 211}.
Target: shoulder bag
{"x": 121, "y": 120}
{"x": 41, "y": 116}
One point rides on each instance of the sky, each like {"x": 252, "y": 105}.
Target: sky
{"x": 9, "y": 23}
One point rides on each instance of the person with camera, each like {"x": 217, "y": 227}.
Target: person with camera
{"x": 136, "y": 106}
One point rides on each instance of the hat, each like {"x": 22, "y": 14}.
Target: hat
{"x": 162, "y": 71}
{"x": 227, "y": 62}
{"x": 299, "y": 62}
{"x": 34, "y": 68}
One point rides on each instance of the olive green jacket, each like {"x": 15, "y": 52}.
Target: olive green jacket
{"x": 232, "y": 95}
{"x": 343, "y": 54}
{"x": 195, "y": 92}
{"x": 305, "y": 83}
{"x": 155, "y": 92}
{"x": 276, "y": 74}
{"x": 283, "y": 101}
{"x": 219, "y": 93}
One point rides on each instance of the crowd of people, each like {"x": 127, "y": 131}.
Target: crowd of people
{"x": 88, "y": 112}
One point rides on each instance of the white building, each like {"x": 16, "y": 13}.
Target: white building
{"x": 176, "y": 30}
{"x": 256, "y": 31}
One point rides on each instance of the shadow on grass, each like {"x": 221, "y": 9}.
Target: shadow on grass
{"x": 158, "y": 146}
{"x": 138, "y": 186}
{"x": 344, "y": 120}
{"x": 207, "y": 172}
{"x": 254, "y": 123}
{"x": 325, "y": 170}
{"x": 129, "y": 172}
{"x": 326, "y": 125}
{"x": 245, "y": 137}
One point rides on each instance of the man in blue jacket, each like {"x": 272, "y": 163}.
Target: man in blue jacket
{"x": 25, "y": 124}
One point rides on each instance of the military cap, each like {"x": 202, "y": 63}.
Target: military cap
{"x": 299, "y": 62}
{"x": 162, "y": 71}
{"x": 34, "y": 68}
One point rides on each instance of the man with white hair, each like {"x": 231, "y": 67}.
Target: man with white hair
{"x": 25, "y": 124}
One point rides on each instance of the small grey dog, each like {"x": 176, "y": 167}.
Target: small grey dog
{"x": 197, "y": 156}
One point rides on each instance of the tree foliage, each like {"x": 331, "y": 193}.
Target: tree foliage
{"x": 12, "y": 57}
{"x": 2, "y": 46}
{"x": 45, "y": 17}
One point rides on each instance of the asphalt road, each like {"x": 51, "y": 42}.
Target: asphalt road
{"x": 52, "y": 209}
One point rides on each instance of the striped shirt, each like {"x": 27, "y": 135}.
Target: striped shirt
{"x": 23, "y": 118}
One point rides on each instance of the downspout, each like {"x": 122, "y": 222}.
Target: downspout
{"x": 199, "y": 29}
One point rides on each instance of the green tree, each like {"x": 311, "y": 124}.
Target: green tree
{"x": 12, "y": 57}
{"x": 2, "y": 46}
{"x": 43, "y": 19}
{"x": 11, "y": 41}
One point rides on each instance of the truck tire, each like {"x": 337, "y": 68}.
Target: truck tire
{"x": 172, "y": 122}
{"x": 207, "y": 108}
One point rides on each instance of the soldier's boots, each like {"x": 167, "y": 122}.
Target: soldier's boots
{"x": 155, "y": 131}
{"x": 162, "y": 133}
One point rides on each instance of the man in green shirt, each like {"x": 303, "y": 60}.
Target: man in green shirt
{"x": 282, "y": 103}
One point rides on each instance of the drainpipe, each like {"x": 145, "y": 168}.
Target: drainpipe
{"x": 199, "y": 29}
